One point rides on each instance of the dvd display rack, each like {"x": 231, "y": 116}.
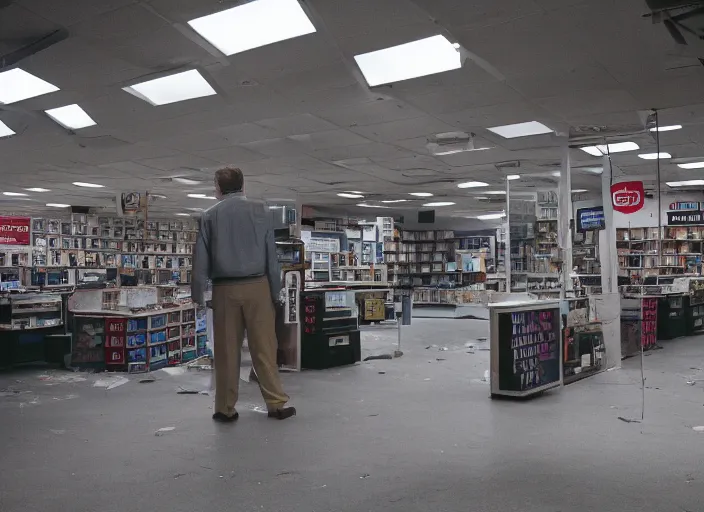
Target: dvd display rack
{"x": 101, "y": 242}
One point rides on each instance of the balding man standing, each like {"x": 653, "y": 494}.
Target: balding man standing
{"x": 235, "y": 250}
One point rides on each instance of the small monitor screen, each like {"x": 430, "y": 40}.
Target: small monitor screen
{"x": 590, "y": 218}
{"x": 426, "y": 217}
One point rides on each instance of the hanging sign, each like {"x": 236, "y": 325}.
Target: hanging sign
{"x": 684, "y": 218}
{"x": 14, "y": 230}
{"x": 628, "y": 196}
{"x": 682, "y": 206}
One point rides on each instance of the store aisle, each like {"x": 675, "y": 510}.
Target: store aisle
{"x": 416, "y": 433}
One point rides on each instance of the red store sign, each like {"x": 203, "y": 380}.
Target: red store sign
{"x": 628, "y": 196}
{"x": 14, "y": 230}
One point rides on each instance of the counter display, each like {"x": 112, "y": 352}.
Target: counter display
{"x": 526, "y": 353}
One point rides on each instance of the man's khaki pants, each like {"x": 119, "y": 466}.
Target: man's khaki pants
{"x": 237, "y": 306}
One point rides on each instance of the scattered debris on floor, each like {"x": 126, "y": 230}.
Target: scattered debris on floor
{"x": 372, "y": 415}
{"x": 364, "y": 476}
{"x": 382, "y": 373}
{"x": 486, "y": 376}
{"x": 440, "y": 359}
{"x": 110, "y": 382}
{"x": 163, "y": 431}
{"x": 627, "y": 420}
{"x": 443, "y": 349}
{"x": 376, "y": 358}
{"x": 187, "y": 392}
{"x": 148, "y": 380}
{"x": 698, "y": 429}
{"x": 55, "y": 378}
{"x": 469, "y": 345}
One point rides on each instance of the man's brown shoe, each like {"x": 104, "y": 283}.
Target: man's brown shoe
{"x": 283, "y": 413}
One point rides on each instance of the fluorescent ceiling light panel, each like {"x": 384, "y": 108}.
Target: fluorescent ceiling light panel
{"x": 186, "y": 181}
{"x": 654, "y": 156}
{"x": 604, "y": 149}
{"x": 183, "y": 86}
{"x": 491, "y": 216}
{"x": 14, "y": 194}
{"x": 38, "y": 189}
{"x": 252, "y": 25}
{"x": 666, "y": 128}
{"x": 351, "y": 196}
{"x": 689, "y": 183}
{"x": 511, "y": 131}
{"x": 512, "y": 177}
{"x": 410, "y": 60}
{"x": 183, "y": 214}
{"x": 440, "y": 203}
{"x": 421, "y": 194}
{"x": 58, "y": 205}
{"x": 472, "y": 184}
{"x": 71, "y": 117}
{"x": 363, "y": 205}
{"x": 495, "y": 192}
{"x": 395, "y": 201}
{"x": 17, "y": 85}
{"x": 5, "y": 130}
{"x": 579, "y": 190}
{"x": 691, "y": 165}
{"x": 87, "y": 185}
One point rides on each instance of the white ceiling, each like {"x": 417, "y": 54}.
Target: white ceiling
{"x": 297, "y": 117}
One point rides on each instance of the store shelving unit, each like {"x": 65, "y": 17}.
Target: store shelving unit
{"x": 643, "y": 253}
{"x": 586, "y": 267}
{"x": 160, "y": 249}
{"x": 534, "y": 248}
{"x": 428, "y": 262}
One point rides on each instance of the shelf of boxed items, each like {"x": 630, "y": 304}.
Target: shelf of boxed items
{"x": 150, "y": 340}
{"x": 318, "y": 253}
{"x": 439, "y": 296}
{"x": 86, "y": 241}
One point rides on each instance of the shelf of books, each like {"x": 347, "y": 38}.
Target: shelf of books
{"x": 586, "y": 267}
{"x": 429, "y": 262}
{"x": 534, "y": 252}
{"x": 642, "y": 253}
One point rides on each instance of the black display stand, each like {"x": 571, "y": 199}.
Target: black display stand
{"x": 329, "y": 334}
{"x": 526, "y": 352}
{"x": 672, "y": 317}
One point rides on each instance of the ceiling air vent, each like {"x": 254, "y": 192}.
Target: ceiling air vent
{"x": 449, "y": 143}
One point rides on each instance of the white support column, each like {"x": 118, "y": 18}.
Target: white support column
{"x": 507, "y": 238}
{"x": 607, "y": 240}
{"x": 608, "y": 306}
{"x": 564, "y": 206}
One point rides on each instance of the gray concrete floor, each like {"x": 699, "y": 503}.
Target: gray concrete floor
{"x": 423, "y": 435}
